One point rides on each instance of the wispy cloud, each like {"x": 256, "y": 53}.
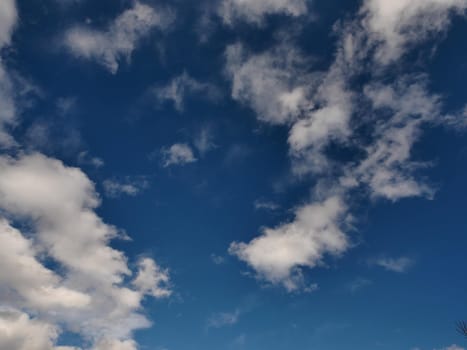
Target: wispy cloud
{"x": 223, "y": 319}
{"x": 117, "y": 42}
{"x": 400, "y": 265}
{"x": 260, "y": 204}
{"x": 183, "y": 86}
{"x": 130, "y": 186}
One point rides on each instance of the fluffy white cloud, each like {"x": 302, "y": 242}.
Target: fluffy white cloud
{"x": 278, "y": 253}
{"x": 254, "y": 11}
{"x": 19, "y": 332}
{"x": 90, "y": 297}
{"x": 177, "y": 154}
{"x": 179, "y": 87}
{"x": 396, "y": 25}
{"x": 120, "y": 39}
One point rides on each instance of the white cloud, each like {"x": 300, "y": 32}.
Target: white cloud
{"x": 8, "y": 19}
{"x": 130, "y": 186}
{"x": 90, "y": 296}
{"x": 394, "y": 26}
{"x": 278, "y": 253}
{"x": 19, "y": 332}
{"x": 400, "y": 265}
{"x": 255, "y": 11}
{"x": 151, "y": 279}
{"x": 179, "y": 87}
{"x": 333, "y": 106}
{"x": 274, "y": 83}
{"x": 118, "y": 41}
{"x": 177, "y": 154}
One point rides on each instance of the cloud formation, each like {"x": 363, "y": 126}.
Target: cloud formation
{"x": 117, "y": 42}
{"x": 90, "y": 296}
{"x": 327, "y": 107}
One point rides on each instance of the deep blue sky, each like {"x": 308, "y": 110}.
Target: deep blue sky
{"x": 399, "y": 283}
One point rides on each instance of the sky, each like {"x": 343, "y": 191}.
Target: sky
{"x": 233, "y": 174}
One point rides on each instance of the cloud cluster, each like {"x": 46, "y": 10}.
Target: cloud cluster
{"x": 356, "y": 104}
{"x": 118, "y": 41}
{"x": 97, "y": 296}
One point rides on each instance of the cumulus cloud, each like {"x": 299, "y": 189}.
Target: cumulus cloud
{"x": 315, "y": 232}
{"x": 180, "y": 87}
{"x": 90, "y": 296}
{"x": 117, "y": 42}
{"x": 177, "y": 154}
{"x": 331, "y": 107}
{"x": 255, "y": 11}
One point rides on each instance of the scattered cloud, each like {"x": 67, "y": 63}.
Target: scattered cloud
{"x": 180, "y": 87}
{"x": 92, "y": 296}
{"x": 331, "y": 107}
{"x": 130, "y": 186}
{"x": 400, "y": 265}
{"x": 177, "y": 154}
{"x": 255, "y": 11}
{"x": 118, "y": 41}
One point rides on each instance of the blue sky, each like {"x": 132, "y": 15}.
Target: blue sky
{"x": 232, "y": 174}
